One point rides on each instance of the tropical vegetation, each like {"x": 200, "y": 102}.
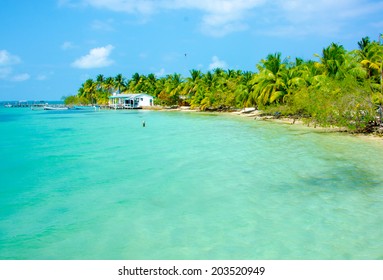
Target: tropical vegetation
{"x": 337, "y": 88}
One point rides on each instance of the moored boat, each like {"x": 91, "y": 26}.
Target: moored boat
{"x": 55, "y": 108}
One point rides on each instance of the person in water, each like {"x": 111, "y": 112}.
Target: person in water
{"x": 143, "y": 123}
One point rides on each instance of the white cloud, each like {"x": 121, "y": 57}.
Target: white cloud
{"x": 320, "y": 17}
{"x": 8, "y": 59}
{"x": 6, "y": 73}
{"x": 69, "y": 3}
{"x": 67, "y": 45}
{"x": 217, "y": 63}
{"x": 349, "y": 9}
{"x": 129, "y": 6}
{"x": 96, "y": 58}
{"x": 222, "y": 17}
{"x": 303, "y": 10}
{"x": 20, "y": 77}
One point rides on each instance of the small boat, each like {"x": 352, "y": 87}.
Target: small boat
{"x": 55, "y": 108}
{"x": 8, "y": 105}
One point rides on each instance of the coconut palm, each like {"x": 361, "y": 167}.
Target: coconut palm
{"x": 243, "y": 90}
{"x": 89, "y": 90}
{"x": 372, "y": 59}
{"x": 150, "y": 84}
{"x": 134, "y": 82}
{"x": 119, "y": 83}
{"x": 269, "y": 85}
{"x": 100, "y": 80}
{"x": 191, "y": 85}
{"x": 332, "y": 61}
{"x": 109, "y": 84}
{"x": 171, "y": 91}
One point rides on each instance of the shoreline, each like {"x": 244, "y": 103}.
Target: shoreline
{"x": 257, "y": 116}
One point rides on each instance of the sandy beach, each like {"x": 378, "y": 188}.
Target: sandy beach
{"x": 257, "y": 115}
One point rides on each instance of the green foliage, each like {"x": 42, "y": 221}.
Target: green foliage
{"x": 345, "y": 103}
{"x": 75, "y": 100}
{"x": 341, "y": 88}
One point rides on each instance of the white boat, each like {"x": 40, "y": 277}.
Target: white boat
{"x": 55, "y": 108}
{"x": 8, "y": 105}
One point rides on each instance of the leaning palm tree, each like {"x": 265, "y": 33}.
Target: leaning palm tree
{"x": 243, "y": 96}
{"x": 89, "y": 90}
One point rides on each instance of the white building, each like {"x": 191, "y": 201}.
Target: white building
{"x": 130, "y": 101}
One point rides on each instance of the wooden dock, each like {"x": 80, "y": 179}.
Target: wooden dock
{"x": 25, "y": 104}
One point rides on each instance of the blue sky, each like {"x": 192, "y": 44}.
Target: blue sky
{"x": 48, "y": 48}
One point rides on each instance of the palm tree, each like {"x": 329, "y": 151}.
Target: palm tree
{"x": 364, "y": 43}
{"x": 159, "y": 88}
{"x": 134, "y": 82}
{"x": 332, "y": 61}
{"x": 370, "y": 56}
{"x": 119, "y": 81}
{"x": 269, "y": 85}
{"x": 174, "y": 87}
{"x": 150, "y": 84}
{"x": 372, "y": 59}
{"x": 171, "y": 89}
{"x": 89, "y": 90}
{"x": 191, "y": 84}
{"x": 243, "y": 90}
{"x": 109, "y": 84}
{"x": 100, "y": 79}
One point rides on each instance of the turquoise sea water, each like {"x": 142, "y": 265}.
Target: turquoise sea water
{"x": 98, "y": 185}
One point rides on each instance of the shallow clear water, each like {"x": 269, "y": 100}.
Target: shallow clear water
{"x": 97, "y": 185}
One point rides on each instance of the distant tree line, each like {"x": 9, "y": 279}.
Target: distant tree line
{"x": 339, "y": 88}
